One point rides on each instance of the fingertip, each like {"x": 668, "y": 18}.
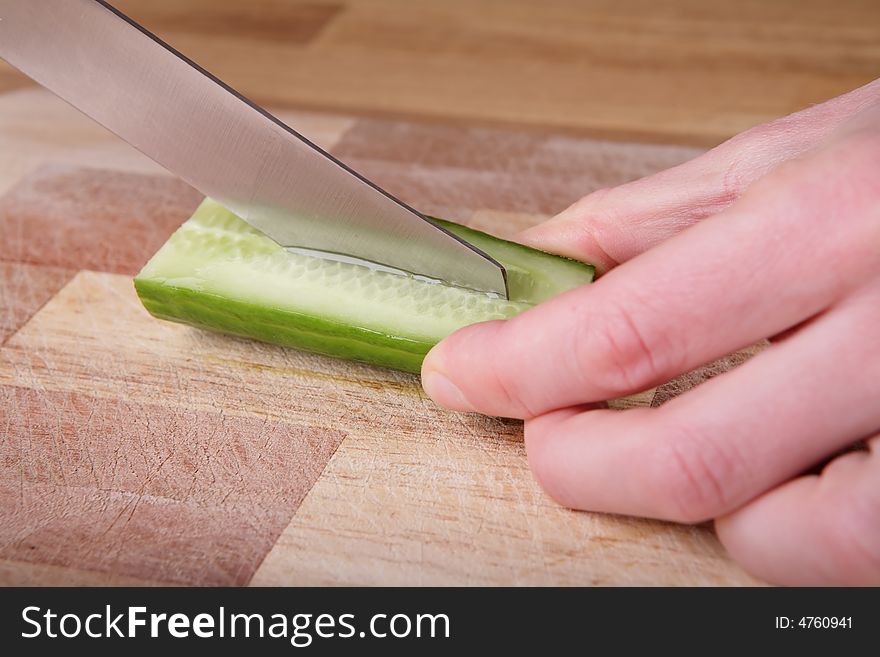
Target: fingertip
{"x": 729, "y": 529}
{"x": 546, "y": 459}
{"x": 444, "y": 392}
{"x": 448, "y": 367}
{"x": 553, "y": 444}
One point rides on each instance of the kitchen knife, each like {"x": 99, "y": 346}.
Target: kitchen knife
{"x": 178, "y": 114}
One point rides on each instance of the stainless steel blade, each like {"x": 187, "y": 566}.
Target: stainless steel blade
{"x": 169, "y": 108}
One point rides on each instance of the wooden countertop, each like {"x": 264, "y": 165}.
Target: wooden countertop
{"x": 678, "y": 71}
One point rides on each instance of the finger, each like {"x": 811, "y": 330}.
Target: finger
{"x": 736, "y": 278}
{"x": 613, "y": 225}
{"x": 815, "y": 530}
{"x": 723, "y": 443}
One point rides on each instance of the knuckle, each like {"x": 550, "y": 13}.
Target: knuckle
{"x": 508, "y": 384}
{"x": 621, "y": 352}
{"x": 595, "y": 218}
{"x": 733, "y": 181}
{"x": 691, "y": 476}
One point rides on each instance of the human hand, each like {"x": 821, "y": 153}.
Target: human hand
{"x": 776, "y": 233}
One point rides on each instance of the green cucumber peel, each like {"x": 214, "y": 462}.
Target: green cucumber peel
{"x": 217, "y": 272}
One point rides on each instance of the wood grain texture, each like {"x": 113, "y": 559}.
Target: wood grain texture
{"x": 72, "y": 217}
{"x": 23, "y": 290}
{"x": 140, "y": 490}
{"x": 682, "y": 384}
{"x": 37, "y": 128}
{"x": 281, "y": 21}
{"x": 120, "y": 487}
{"x": 25, "y": 573}
{"x": 451, "y": 501}
{"x": 695, "y": 71}
{"x": 455, "y": 171}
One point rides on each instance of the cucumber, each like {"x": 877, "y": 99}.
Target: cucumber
{"x": 219, "y": 273}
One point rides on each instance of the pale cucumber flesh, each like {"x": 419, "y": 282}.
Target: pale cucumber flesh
{"x": 217, "y": 272}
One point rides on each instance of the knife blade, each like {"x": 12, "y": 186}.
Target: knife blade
{"x": 165, "y": 105}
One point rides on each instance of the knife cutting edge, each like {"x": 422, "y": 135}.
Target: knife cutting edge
{"x": 128, "y": 80}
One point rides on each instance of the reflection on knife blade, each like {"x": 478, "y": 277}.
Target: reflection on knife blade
{"x": 172, "y": 110}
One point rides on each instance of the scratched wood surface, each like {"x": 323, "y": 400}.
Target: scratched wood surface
{"x": 134, "y": 451}
{"x": 695, "y": 71}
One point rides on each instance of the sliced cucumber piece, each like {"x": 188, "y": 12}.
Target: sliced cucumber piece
{"x": 219, "y": 273}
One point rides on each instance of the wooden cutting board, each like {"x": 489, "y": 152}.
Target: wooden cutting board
{"x": 134, "y": 451}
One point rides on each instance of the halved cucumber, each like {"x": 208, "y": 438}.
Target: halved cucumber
{"x": 219, "y": 273}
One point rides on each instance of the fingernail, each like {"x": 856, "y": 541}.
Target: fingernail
{"x": 445, "y": 392}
